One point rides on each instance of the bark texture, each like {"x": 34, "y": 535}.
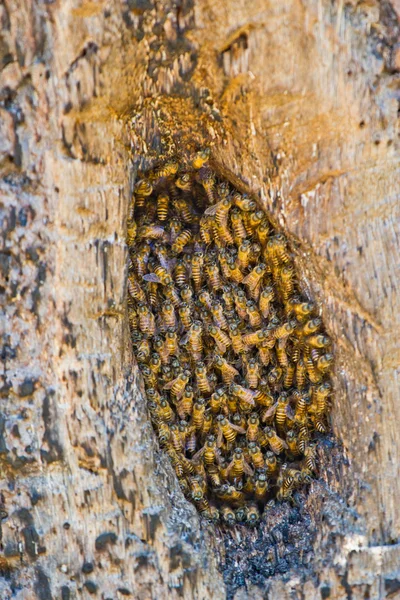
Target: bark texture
{"x": 299, "y": 101}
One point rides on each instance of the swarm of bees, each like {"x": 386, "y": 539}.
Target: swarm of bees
{"x": 234, "y": 360}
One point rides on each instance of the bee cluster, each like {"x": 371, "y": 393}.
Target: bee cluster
{"x": 235, "y": 361}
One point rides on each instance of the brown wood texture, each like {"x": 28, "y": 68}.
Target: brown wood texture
{"x": 299, "y": 101}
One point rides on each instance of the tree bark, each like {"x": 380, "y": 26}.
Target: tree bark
{"x": 299, "y": 102}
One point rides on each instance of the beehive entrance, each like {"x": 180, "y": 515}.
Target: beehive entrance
{"x": 235, "y": 361}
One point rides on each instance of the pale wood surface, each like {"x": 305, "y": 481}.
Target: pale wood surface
{"x": 299, "y": 100}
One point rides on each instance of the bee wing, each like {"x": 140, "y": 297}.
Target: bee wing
{"x": 284, "y": 444}
{"x": 219, "y": 438}
{"x": 269, "y": 412}
{"x": 169, "y": 385}
{"x": 152, "y": 277}
{"x": 247, "y": 469}
{"x": 237, "y": 428}
{"x": 185, "y": 339}
{"x": 211, "y": 210}
{"x": 229, "y": 467}
{"x": 289, "y": 412}
{"x": 198, "y": 454}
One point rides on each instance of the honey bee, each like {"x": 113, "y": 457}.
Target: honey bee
{"x": 199, "y": 408}
{"x": 281, "y": 355}
{"x": 243, "y": 394}
{"x": 287, "y": 282}
{"x": 318, "y": 341}
{"x": 226, "y": 429}
{"x": 243, "y": 257}
{"x": 186, "y": 294}
{"x": 181, "y": 241}
{"x": 185, "y": 315}
{"x": 321, "y": 395}
{"x": 184, "y": 182}
{"x": 262, "y": 232}
{"x": 266, "y": 297}
{"x": 194, "y": 340}
{"x": 253, "y": 427}
{"x": 252, "y": 373}
{"x": 253, "y": 515}
{"x": 143, "y": 189}
{"x": 253, "y": 314}
{"x": 276, "y": 443}
{"x": 243, "y": 202}
{"x": 168, "y": 316}
{"x": 162, "y": 206}
{"x": 254, "y": 277}
{"x": 310, "y": 459}
{"x": 300, "y": 374}
{"x": 185, "y": 406}
{"x": 196, "y": 489}
{"x": 238, "y": 465}
{"x": 289, "y": 376}
{"x": 254, "y": 338}
{"x": 239, "y": 231}
{"x": 178, "y": 385}
{"x": 228, "y": 515}
{"x": 220, "y": 337}
{"x": 167, "y": 170}
{"x": 256, "y": 456}
{"x": 171, "y": 342}
{"x": 202, "y": 379}
{"x": 324, "y": 363}
{"x": 292, "y": 442}
{"x": 261, "y": 486}
{"x": 218, "y": 315}
{"x": 147, "y": 322}
{"x": 201, "y": 158}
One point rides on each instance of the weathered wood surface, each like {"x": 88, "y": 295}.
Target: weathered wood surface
{"x": 300, "y": 101}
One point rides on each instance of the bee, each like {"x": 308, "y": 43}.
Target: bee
{"x": 238, "y": 465}
{"x": 171, "y": 342}
{"x": 197, "y": 265}
{"x": 266, "y": 297}
{"x": 178, "y": 385}
{"x": 240, "y": 303}
{"x": 243, "y": 394}
{"x": 261, "y": 486}
{"x": 281, "y": 355}
{"x": 252, "y": 373}
{"x": 199, "y": 408}
{"x": 281, "y": 250}
{"x": 143, "y": 350}
{"x": 206, "y": 230}
{"x": 289, "y": 376}
{"x": 207, "y": 179}
{"x": 202, "y": 379}
{"x": 217, "y": 312}
{"x": 147, "y": 322}
{"x": 195, "y": 341}
{"x": 254, "y": 338}
{"x": 220, "y": 337}
{"x": 228, "y": 515}
{"x": 196, "y": 488}
{"x": 227, "y": 298}
{"x": 165, "y": 411}
{"x": 180, "y": 274}
{"x": 228, "y": 430}
{"x": 313, "y": 374}
{"x": 292, "y": 442}
{"x": 184, "y": 210}
{"x": 164, "y": 434}
{"x": 168, "y": 316}
{"x": 300, "y": 374}
{"x": 253, "y": 314}
{"x": 234, "y": 273}
{"x": 253, "y": 515}
{"x": 311, "y": 326}
{"x": 184, "y": 182}
{"x": 324, "y": 363}
{"x": 239, "y": 231}
{"x": 253, "y": 427}
{"x": 171, "y": 294}
{"x": 276, "y": 443}
{"x": 318, "y": 341}
{"x": 243, "y": 202}
{"x": 201, "y": 158}
{"x": 254, "y": 277}
{"x": 321, "y": 395}
{"x": 243, "y": 257}
{"x": 143, "y": 189}
{"x": 169, "y": 169}
{"x": 162, "y": 206}
{"x": 256, "y": 456}
{"x": 302, "y": 310}
{"x": 262, "y": 232}
{"x": 287, "y": 282}
{"x": 151, "y": 232}
{"x": 186, "y": 294}
{"x": 310, "y": 462}
{"x": 238, "y": 345}
{"x": 185, "y": 406}
{"x": 185, "y": 315}
{"x": 181, "y": 241}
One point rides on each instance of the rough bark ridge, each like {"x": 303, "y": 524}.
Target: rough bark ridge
{"x": 299, "y": 100}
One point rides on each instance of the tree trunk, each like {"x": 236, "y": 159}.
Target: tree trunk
{"x": 299, "y": 102}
